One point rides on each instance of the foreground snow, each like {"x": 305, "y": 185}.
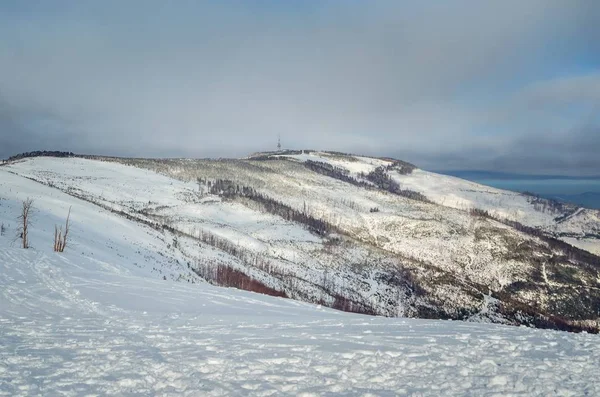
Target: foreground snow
{"x": 73, "y": 326}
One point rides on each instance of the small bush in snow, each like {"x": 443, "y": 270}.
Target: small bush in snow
{"x": 60, "y": 238}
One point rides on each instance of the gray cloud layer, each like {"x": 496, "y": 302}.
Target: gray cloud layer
{"x": 461, "y": 84}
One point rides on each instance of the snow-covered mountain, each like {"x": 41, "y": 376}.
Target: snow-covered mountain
{"x": 360, "y": 234}
{"x": 579, "y": 226}
{"x": 120, "y": 312}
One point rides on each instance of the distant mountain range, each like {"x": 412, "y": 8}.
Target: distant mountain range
{"x": 580, "y": 190}
{"x": 587, "y": 199}
{"x": 467, "y": 174}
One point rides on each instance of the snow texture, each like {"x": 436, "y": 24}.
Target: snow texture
{"x": 73, "y": 325}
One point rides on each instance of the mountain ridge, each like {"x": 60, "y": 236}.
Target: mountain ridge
{"x": 409, "y": 257}
{"x": 466, "y": 174}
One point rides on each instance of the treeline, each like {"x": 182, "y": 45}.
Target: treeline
{"x": 541, "y": 204}
{"x": 478, "y": 212}
{"x": 227, "y": 276}
{"x": 265, "y": 157}
{"x": 383, "y": 181}
{"x": 525, "y": 314}
{"x": 262, "y": 156}
{"x": 41, "y": 153}
{"x": 401, "y": 167}
{"x": 348, "y": 305}
{"x": 334, "y": 172}
{"x": 228, "y": 189}
{"x": 378, "y": 177}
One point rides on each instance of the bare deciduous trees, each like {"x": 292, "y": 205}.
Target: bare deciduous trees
{"x": 60, "y": 239}
{"x": 25, "y": 221}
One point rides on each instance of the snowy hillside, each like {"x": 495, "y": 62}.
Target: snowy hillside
{"x": 289, "y": 228}
{"x": 580, "y": 226}
{"x": 97, "y": 234}
{"x": 96, "y": 320}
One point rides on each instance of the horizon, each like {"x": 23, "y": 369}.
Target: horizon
{"x": 508, "y": 87}
{"x": 469, "y": 174}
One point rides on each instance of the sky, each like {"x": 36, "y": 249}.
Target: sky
{"x": 510, "y": 85}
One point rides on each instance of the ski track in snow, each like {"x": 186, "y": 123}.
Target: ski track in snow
{"x": 68, "y": 328}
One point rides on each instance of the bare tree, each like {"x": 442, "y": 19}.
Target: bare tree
{"x": 60, "y": 239}
{"x": 25, "y": 221}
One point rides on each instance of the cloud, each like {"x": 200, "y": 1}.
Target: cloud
{"x": 225, "y": 78}
{"x": 550, "y": 126}
{"x": 572, "y": 153}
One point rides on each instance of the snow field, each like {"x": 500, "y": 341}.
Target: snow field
{"x": 71, "y": 327}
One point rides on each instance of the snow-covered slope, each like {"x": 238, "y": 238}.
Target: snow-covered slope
{"x": 262, "y": 244}
{"x": 580, "y": 225}
{"x": 95, "y": 233}
{"x": 583, "y": 224}
{"x": 405, "y": 258}
{"x": 91, "y": 321}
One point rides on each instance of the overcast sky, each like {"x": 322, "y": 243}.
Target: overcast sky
{"x": 511, "y": 85}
